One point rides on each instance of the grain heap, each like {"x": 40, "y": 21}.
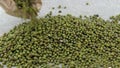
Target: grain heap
{"x": 89, "y": 42}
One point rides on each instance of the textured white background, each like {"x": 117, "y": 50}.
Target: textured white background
{"x": 105, "y": 8}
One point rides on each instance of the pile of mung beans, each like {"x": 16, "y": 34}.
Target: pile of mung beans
{"x": 62, "y": 42}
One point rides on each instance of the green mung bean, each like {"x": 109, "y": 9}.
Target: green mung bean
{"x": 1, "y": 66}
{"x": 68, "y": 40}
{"x": 59, "y": 11}
{"x": 87, "y": 3}
{"x": 59, "y": 7}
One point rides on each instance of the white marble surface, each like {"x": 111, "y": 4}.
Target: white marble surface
{"x": 105, "y": 8}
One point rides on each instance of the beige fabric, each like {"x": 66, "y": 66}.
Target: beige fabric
{"x": 10, "y": 7}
